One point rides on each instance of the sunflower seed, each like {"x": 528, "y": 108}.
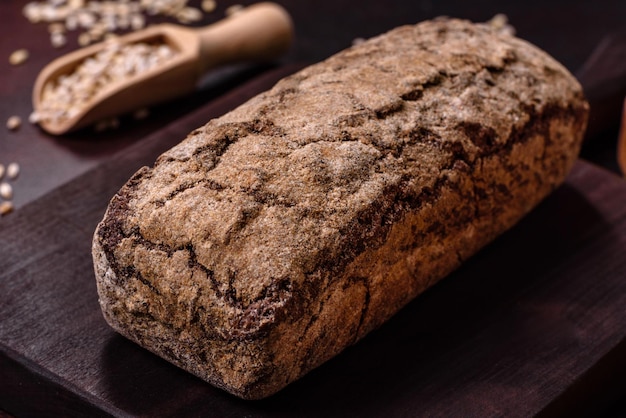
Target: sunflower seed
{"x": 137, "y": 21}
{"x": 6, "y": 208}
{"x": 84, "y": 39}
{"x": 6, "y": 191}
{"x": 18, "y": 57}
{"x": 13, "y": 170}
{"x": 189, "y": 15}
{"x": 56, "y": 27}
{"x": 58, "y": 39}
{"x": 14, "y": 123}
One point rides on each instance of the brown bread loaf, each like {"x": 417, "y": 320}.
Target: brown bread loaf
{"x": 284, "y": 231}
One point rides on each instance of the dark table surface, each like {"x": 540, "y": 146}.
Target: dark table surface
{"x": 549, "y": 339}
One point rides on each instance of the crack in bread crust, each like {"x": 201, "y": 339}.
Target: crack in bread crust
{"x": 270, "y": 239}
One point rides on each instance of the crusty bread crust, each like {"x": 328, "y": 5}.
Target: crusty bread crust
{"x": 277, "y": 235}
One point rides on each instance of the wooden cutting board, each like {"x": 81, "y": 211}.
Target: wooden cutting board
{"x": 534, "y": 324}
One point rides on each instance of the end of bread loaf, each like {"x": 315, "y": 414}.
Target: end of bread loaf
{"x": 279, "y": 234}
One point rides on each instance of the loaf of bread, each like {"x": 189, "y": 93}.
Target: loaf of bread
{"x": 277, "y": 235}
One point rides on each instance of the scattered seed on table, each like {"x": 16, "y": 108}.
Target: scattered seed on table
{"x": 13, "y": 170}
{"x": 6, "y": 207}
{"x": 14, "y": 123}
{"x": 84, "y": 15}
{"x": 56, "y": 27}
{"x": 6, "y": 191}
{"x": 18, "y": 57}
{"x": 234, "y": 9}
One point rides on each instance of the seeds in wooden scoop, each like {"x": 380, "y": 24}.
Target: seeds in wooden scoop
{"x": 188, "y": 15}
{"x": 63, "y": 98}
{"x": 137, "y": 22}
{"x": 84, "y": 39}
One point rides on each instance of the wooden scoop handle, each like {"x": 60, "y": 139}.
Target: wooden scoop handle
{"x": 260, "y": 32}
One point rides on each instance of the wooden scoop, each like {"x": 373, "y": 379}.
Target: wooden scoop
{"x": 258, "y": 33}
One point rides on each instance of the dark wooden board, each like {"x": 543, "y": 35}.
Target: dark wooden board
{"x": 533, "y": 324}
